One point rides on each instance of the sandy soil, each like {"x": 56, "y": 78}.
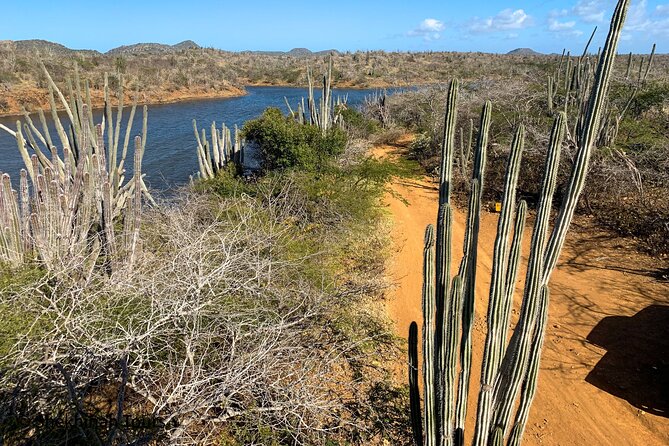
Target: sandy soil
{"x": 605, "y": 369}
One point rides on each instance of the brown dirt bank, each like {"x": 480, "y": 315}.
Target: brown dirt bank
{"x": 603, "y": 377}
{"x": 350, "y": 85}
{"x": 30, "y": 97}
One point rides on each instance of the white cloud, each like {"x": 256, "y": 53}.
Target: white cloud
{"x": 564, "y": 28}
{"x": 504, "y": 20}
{"x": 558, "y": 13}
{"x": 638, "y": 20}
{"x": 591, "y": 11}
{"x": 428, "y": 29}
{"x": 653, "y": 22}
{"x": 557, "y": 26}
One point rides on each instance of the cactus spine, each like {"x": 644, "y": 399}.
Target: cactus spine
{"x": 510, "y": 369}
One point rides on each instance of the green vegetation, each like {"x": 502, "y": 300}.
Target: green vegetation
{"x": 247, "y": 311}
{"x": 279, "y": 277}
{"x": 357, "y": 124}
{"x": 331, "y": 226}
{"x": 285, "y": 143}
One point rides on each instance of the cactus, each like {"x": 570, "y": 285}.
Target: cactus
{"x": 376, "y": 104}
{"x": 510, "y": 368}
{"x": 650, "y": 64}
{"x": 550, "y": 93}
{"x": 414, "y": 394}
{"x": 321, "y": 114}
{"x": 325, "y": 112}
{"x": 579, "y": 80}
{"x": 221, "y": 152}
{"x": 70, "y": 201}
{"x": 466, "y": 151}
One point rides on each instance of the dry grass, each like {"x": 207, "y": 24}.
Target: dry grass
{"x": 208, "y": 72}
{"x": 237, "y": 321}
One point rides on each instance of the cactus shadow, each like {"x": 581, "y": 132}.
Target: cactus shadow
{"x": 636, "y": 364}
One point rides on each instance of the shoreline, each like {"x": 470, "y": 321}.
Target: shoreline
{"x": 98, "y": 101}
{"x": 231, "y": 92}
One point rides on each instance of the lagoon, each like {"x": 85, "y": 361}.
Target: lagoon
{"x": 171, "y": 157}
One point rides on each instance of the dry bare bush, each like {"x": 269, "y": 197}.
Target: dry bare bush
{"x": 214, "y": 327}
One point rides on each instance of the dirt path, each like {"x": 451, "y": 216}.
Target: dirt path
{"x": 605, "y": 369}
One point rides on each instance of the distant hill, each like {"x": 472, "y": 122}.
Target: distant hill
{"x": 44, "y": 46}
{"x": 524, "y": 52}
{"x": 186, "y": 45}
{"x": 295, "y": 52}
{"x": 152, "y": 48}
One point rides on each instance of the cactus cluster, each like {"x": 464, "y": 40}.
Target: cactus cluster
{"x": 226, "y": 148}
{"x": 376, "y": 105}
{"x": 574, "y": 93}
{"x": 510, "y": 363}
{"x": 71, "y": 203}
{"x": 323, "y": 113}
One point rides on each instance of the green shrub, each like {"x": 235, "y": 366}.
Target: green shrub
{"x": 651, "y": 96}
{"x": 16, "y": 321}
{"x": 285, "y": 143}
{"x": 225, "y": 184}
{"x": 357, "y": 124}
{"x": 423, "y": 148}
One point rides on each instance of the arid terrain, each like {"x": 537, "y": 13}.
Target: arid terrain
{"x": 274, "y": 292}
{"x": 163, "y": 73}
{"x": 603, "y": 377}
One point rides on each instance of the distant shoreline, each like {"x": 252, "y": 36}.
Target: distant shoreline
{"x": 98, "y": 101}
{"x": 187, "y": 96}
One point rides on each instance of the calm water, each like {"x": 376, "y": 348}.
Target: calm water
{"x": 170, "y": 156}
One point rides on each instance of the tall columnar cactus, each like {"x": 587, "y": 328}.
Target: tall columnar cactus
{"x": 321, "y": 113}
{"x": 226, "y": 148}
{"x": 70, "y": 201}
{"x": 550, "y": 93}
{"x": 579, "y": 80}
{"x": 324, "y": 112}
{"x": 510, "y": 368}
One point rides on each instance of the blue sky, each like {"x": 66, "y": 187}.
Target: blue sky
{"x": 416, "y": 25}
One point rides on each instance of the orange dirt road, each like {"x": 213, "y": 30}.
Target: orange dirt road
{"x": 604, "y": 371}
